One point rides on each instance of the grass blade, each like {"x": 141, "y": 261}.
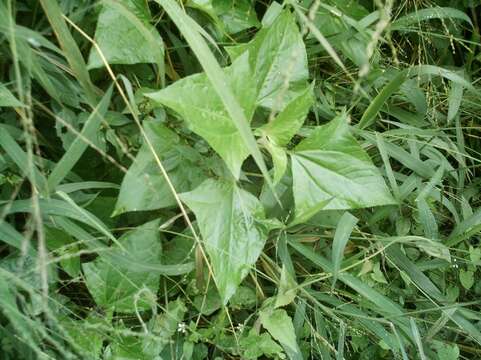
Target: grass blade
{"x": 343, "y": 232}
{"x": 80, "y": 144}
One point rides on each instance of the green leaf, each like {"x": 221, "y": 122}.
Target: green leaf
{"x": 125, "y": 35}
{"x": 288, "y": 122}
{"x": 144, "y": 187}
{"x": 192, "y": 33}
{"x": 231, "y": 16}
{"x": 278, "y": 58}
{"x": 114, "y": 286}
{"x": 63, "y": 244}
{"x": 416, "y": 17}
{"x": 7, "y": 98}
{"x": 279, "y": 160}
{"x": 164, "y": 327}
{"x": 446, "y": 351}
{"x": 341, "y": 236}
{"x": 417, "y": 339}
{"x": 287, "y": 289}
{"x": 279, "y": 325}
{"x": 377, "y": 275}
{"x": 85, "y": 335}
{"x": 256, "y": 345}
{"x": 467, "y": 278}
{"x": 195, "y": 100}
{"x": 331, "y": 165}
{"x": 234, "y": 230}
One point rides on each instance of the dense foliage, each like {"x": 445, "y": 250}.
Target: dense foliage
{"x": 208, "y": 179}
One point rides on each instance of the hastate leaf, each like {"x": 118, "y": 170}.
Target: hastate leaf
{"x": 278, "y": 58}
{"x": 144, "y": 187}
{"x": 234, "y": 230}
{"x": 330, "y": 167}
{"x": 280, "y": 326}
{"x": 196, "y": 101}
{"x": 125, "y": 35}
{"x": 114, "y": 286}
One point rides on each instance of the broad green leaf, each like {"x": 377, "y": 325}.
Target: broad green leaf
{"x": 256, "y": 345}
{"x": 341, "y": 236}
{"x": 63, "y": 244}
{"x": 446, "y": 351}
{"x": 467, "y": 278}
{"x": 278, "y": 58}
{"x": 85, "y": 336}
{"x": 125, "y": 35}
{"x": 331, "y": 166}
{"x": 115, "y": 286}
{"x": 7, "y": 98}
{"x": 287, "y": 123}
{"x": 234, "y": 230}
{"x": 230, "y": 16}
{"x": 125, "y": 347}
{"x": 195, "y": 100}
{"x": 279, "y": 325}
{"x": 144, "y": 187}
{"x": 192, "y": 33}
{"x": 164, "y": 327}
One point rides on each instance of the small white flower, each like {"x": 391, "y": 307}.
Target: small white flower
{"x": 182, "y": 328}
{"x": 240, "y": 327}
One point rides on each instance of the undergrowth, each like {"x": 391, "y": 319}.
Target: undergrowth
{"x": 240, "y": 179}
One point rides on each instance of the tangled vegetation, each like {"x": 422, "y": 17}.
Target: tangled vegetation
{"x": 240, "y": 179}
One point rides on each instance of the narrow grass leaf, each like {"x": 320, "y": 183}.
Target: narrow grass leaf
{"x": 80, "y": 144}
{"x": 341, "y": 236}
